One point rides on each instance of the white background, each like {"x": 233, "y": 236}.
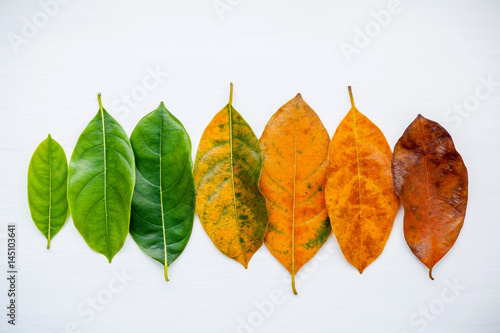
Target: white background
{"x": 429, "y": 57}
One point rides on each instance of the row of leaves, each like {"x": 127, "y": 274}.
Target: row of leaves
{"x": 289, "y": 190}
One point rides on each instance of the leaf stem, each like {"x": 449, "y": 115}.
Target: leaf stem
{"x": 430, "y": 273}
{"x": 165, "y": 271}
{"x": 293, "y": 285}
{"x": 350, "y": 95}
{"x": 231, "y": 94}
{"x": 99, "y": 100}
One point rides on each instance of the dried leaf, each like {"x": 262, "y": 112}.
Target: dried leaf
{"x": 295, "y": 148}
{"x": 47, "y": 186}
{"x": 229, "y": 203}
{"x": 101, "y": 183}
{"x": 163, "y": 201}
{"x": 360, "y": 197}
{"x": 430, "y": 178}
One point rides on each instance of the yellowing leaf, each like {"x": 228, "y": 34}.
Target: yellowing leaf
{"x": 226, "y": 174}
{"x": 360, "y": 197}
{"x": 295, "y": 148}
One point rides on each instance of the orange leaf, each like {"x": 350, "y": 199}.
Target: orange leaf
{"x": 360, "y": 197}
{"x": 295, "y": 147}
{"x": 431, "y": 180}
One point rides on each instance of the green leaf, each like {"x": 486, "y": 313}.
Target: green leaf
{"x": 229, "y": 203}
{"x": 47, "y": 183}
{"x": 163, "y": 201}
{"x": 101, "y": 182}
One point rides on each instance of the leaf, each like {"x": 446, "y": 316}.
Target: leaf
{"x": 163, "y": 200}
{"x": 47, "y": 184}
{"x": 360, "y": 196}
{"x": 430, "y": 178}
{"x": 231, "y": 208}
{"x": 101, "y": 182}
{"x": 295, "y": 147}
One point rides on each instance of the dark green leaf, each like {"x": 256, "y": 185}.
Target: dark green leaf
{"x": 163, "y": 201}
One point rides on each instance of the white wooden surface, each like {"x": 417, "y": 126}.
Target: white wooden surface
{"x": 431, "y": 56}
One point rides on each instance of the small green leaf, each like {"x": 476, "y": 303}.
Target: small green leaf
{"x": 101, "y": 182}
{"x": 163, "y": 201}
{"x": 47, "y": 184}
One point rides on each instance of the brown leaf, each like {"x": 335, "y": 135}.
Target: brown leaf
{"x": 295, "y": 148}
{"x": 430, "y": 178}
{"x": 359, "y": 193}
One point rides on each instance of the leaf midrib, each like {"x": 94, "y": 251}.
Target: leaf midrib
{"x": 230, "y": 107}
{"x": 359, "y": 177}
{"x": 429, "y": 232}
{"x": 105, "y": 183}
{"x": 293, "y": 204}
{"x": 160, "y": 188}
{"x": 50, "y": 193}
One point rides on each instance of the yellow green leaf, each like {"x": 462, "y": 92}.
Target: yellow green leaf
{"x": 229, "y": 203}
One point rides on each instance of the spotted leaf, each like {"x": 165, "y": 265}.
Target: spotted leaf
{"x": 229, "y": 203}
{"x": 295, "y": 147}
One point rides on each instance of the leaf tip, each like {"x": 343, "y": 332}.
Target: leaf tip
{"x": 297, "y": 100}
{"x": 243, "y": 261}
